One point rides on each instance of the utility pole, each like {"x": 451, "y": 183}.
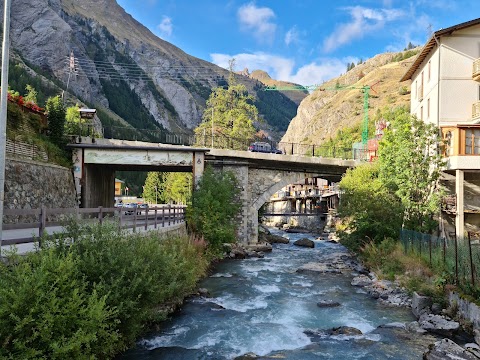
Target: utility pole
{"x": 3, "y": 109}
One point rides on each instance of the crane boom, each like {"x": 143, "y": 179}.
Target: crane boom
{"x": 366, "y": 93}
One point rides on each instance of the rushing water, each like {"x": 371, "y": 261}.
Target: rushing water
{"x": 264, "y": 306}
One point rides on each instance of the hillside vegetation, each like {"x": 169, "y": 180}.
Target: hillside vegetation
{"x": 328, "y": 113}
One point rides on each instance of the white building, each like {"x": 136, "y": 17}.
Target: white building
{"x": 446, "y": 92}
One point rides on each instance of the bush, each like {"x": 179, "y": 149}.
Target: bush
{"x": 91, "y": 298}
{"x": 214, "y": 209}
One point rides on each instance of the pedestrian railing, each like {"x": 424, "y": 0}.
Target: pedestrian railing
{"x": 127, "y": 218}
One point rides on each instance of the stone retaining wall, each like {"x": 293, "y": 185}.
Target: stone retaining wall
{"x": 30, "y": 184}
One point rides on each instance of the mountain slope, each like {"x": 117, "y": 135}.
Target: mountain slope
{"x": 324, "y": 112}
{"x": 122, "y": 68}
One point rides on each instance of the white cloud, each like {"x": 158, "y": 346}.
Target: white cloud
{"x": 258, "y": 20}
{"x": 364, "y": 20}
{"x": 281, "y": 68}
{"x": 292, "y": 36}
{"x": 166, "y": 26}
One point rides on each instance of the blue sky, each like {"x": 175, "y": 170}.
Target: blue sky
{"x": 303, "y": 41}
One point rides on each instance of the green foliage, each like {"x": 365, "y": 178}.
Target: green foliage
{"x": 56, "y": 119}
{"x": 276, "y": 108}
{"x": 177, "y": 187}
{"x": 31, "y": 95}
{"x": 214, "y": 209}
{"x": 93, "y": 296}
{"x": 231, "y": 114}
{"x": 410, "y": 166}
{"x": 152, "y": 190}
{"x": 404, "y": 55}
{"x": 372, "y": 212}
{"x": 74, "y": 124}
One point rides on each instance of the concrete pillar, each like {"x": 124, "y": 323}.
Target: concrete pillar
{"x": 98, "y": 186}
{"x": 198, "y": 166}
{"x": 459, "y": 191}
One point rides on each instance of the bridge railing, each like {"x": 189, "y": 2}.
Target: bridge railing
{"x": 223, "y": 141}
{"x": 127, "y": 218}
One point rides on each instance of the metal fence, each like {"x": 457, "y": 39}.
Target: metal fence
{"x": 222, "y": 141}
{"x": 459, "y": 259}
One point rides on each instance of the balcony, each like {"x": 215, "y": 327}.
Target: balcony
{"x": 476, "y": 70}
{"x": 476, "y": 110}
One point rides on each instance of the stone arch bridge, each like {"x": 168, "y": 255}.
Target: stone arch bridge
{"x": 260, "y": 175}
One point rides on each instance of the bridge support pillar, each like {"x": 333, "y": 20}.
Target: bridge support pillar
{"x": 98, "y": 186}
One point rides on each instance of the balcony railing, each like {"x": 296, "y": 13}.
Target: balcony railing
{"x": 476, "y": 70}
{"x": 476, "y": 110}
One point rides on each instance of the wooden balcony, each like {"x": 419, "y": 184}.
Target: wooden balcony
{"x": 476, "y": 70}
{"x": 476, "y": 110}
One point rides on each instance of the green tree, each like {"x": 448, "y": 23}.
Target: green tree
{"x": 153, "y": 188}
{"x": 371, "y": 212}
{"x": 56, "y": 119}
{"x": 230, "y": 116}
{"x": 177, "y": 187}
{"x": 214, "y": 209}
{"x": 31, "y": 95}
{"x": 410, "y": 166}
{"x": 73, "y": 121}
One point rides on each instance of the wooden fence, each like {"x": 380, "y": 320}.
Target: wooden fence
{"x": 26, "y": 150}
{"x": 128, "y": 218}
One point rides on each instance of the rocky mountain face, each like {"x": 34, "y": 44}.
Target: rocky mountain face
{"x": 295, "y": 95}
{"x": 120, "y": 67}
{"x": 327, "y": 109}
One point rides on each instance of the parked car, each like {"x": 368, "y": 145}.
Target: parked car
{"x": 130, "y": 208}
{"x": 263, "y": 147}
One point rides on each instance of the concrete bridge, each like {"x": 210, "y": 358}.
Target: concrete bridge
{"x": 260, "y": 175}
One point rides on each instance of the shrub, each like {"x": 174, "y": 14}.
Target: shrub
{"x": 215, "y": 208}
{"x": 92, "y": 295}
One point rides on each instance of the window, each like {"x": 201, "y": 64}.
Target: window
{"x": 428, "y": 108}
{"x": 472, "y": 141}
{"x": 421, "y": 113}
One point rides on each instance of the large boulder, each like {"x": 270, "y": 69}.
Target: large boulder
{"x": 421, "y": 304}
{"x": 344, "y": 330}
{"x": 438, "y": 324}
{"x": 276, "y": 239}
{"x": 361, "y": 280}
{"x": 305, "y": 243}
{"x": 327, "y": 304}
{"x": 446, "y": 349}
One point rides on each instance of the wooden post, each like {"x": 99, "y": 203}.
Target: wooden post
{"x": 156, "y": 219}
{"x": 43, "y": 223}
{"x": 100, "y": 215}
{"x": 146, "y": 218}
{"x": 163, "y": 216}
{"x": 174, "y": 214}
{"x": 134, "y": 219}
{"x": 313, "y": 150}
{"x": 169, "y": 213}
{"x": 472, "y": 272}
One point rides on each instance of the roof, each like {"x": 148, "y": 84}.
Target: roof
{"x": 430, "y": 44}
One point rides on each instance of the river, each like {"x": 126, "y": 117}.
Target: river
{"x": 263, "y": 306}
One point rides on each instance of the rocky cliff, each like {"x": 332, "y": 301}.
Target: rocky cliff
{"x": 136, "y": 78}
{"x": 327, "y": 110}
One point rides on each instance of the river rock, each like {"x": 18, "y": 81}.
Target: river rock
{"x": 247, "y": 356}
{"x": 203, "y": 292}
{"x": 476, "y": 335}
{"x": 276, "y": 239}
{"x": 327, "y": 304}
{"x": 361, "y": 280}
{"x": 254, "y": 254}
{"x": 393, "y": 325}
{"x": 265, "y": 247}
{"x": 438, "y": 324}
{"x": 436, "y": 309}
{"x": 414, "y": 327}
{"x": 344, "y": 330}
{"x": 305, "y": 243}
{"x": 447, "y": 349}
{"x": 319, "y": 268}
{"x": 296, "y": 230}
{"x": 420, "y": 304}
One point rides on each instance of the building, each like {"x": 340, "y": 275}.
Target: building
{"x": 119, "y": 187}
{"x": 445, "y": 91}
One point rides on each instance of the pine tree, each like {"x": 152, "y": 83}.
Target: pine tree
{"x": 153, "y": 188}
{"x": 56, "y": 119}
{"x": 229, "y": 117}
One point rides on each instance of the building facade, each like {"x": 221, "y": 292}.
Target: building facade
{"x": 445, "y": 91}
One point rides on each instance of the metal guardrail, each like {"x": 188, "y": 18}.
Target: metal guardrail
{"x": 128, "y": 218}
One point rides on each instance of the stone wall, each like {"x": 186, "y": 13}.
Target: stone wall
{"x": 30, "y": 184}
